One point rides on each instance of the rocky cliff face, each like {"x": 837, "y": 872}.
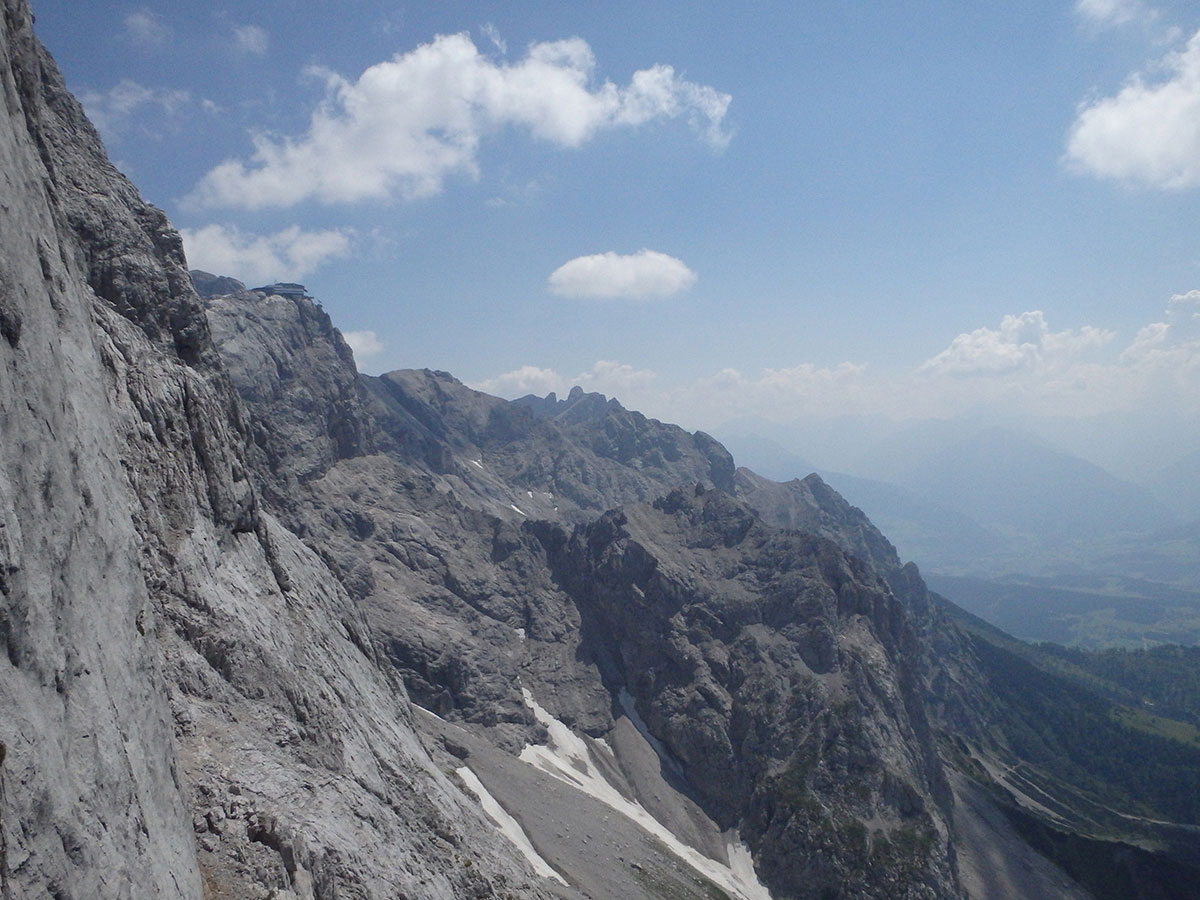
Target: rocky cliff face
{"x": 773, "y": 668}
{"x": 190, "y": 705}
{"x": 229, "y": 564}
{"x": 782, "y": 679}
{"x": 777, "y": 670}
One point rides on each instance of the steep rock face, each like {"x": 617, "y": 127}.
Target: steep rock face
{"x": 90, "y": 808}
{"x": 787, "y": 677}
{"x": 775, "y": 669}
{"x": 810, "y": 505}
{"x": 294, "y": 370}
{"x": 421, "y": 515}
{"x": 590, "y": 453}
{"x": 190, "y": 706}
{"x": 422, "y": 534}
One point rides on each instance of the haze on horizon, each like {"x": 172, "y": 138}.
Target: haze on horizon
{"x": 831, "y": 223}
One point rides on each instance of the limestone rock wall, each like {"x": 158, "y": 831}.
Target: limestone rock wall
{"x": 92, "y": 805}
{"x": 188, "y": 704}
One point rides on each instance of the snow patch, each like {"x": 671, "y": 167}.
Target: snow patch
{"x": 428, "y": 712}
{"x": 477, "y": 463}
{"x": 568, "y": 758}
{"x": 520, "y": 633}
{"x": 509, "y": 827}
{"x": 518, "y": 509}
{"x": 741, "y": 866}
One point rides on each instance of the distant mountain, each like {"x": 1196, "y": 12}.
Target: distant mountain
{"x": 1177, "y": 486}
{"x": 1024, "y": 489}
{"x": 766, "y": 456}
{"x": 959, "y": 497}
{"x": 274, "y": 628}
{"x": 935, "y": 536}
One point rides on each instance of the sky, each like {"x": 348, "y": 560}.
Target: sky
{"x": 718, "y": 213}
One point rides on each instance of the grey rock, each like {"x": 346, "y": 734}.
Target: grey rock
{"x": 787, "y": 673}
{"x": 209, "y": 285}
{"x": 229, "y": 562}
{"x": 155, "y": 617}
{"x": 778, "y": 670}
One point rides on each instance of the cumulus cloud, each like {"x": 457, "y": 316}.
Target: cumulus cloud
{"x": 1175, "y": 341}
{"x": 408, "y": 123}
{"x": 728, "y": 393}
{"x": 1149, "y": 132}
{"x": 251, "y": 39}
{"x": 113, "y": 111}
{"x": 522, "y": 381}
{"x": 285, "y": 255}
{"x": 1023, "y": 341}
{"x": 614, "y": 379}
{"x": 1022, "y": 368}
{"x": 638, "y": 276}
{"x": 145, "y": 28}
{"x": 365, "y": 344}
{"x": 801, "y": 390}
{"x": 1110, "y": 13}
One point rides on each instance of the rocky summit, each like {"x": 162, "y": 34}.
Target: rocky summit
{"x": 278, "y": 629}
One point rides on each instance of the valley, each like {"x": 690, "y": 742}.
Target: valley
{"x": 276, "y": 628}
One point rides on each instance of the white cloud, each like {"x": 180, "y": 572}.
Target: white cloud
{"x": 492, "y": 33}
{"x": 640, "y": 275}
{"x": 1183, "y": 315}
{"x": 1149, "y": 132}
{"x": 113, "y": 112}
{"x": 1173, "y": 342}
{"x": 365, "y": 344}
{"x": 145, "y": 28}
{"x": 613, "y": 379}
{"x": 251, "y": 39}
{"x": 804, "y": 389}
{"x": 1110, "y": 13}
{"x": 1022, "y": 368}
{"x": 522, "y": 381}
{"x": 616, "y": 379}
{"x": 286, "y": 255}
{"x": 1023, "y": 341}
{"x": 408, "y": 123}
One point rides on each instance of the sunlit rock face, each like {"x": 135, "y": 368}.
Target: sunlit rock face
{"x": 189, "y": 705}
{"x": 229, "y": 565}
{"x": 775, "y": 673}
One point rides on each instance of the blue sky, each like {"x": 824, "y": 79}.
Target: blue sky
{"x": 891, "y": 209}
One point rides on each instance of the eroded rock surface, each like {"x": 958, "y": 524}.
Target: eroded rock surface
{"x": 776, "y": 668}
{"x": 228, "y": 562}
{"x": 190, "y": 705}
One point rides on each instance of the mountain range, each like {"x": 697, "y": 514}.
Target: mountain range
{"x": 1029, "y": 536}
{"x": 274, "y": 628}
